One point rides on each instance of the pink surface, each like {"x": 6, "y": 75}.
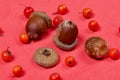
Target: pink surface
{"x": 12, "y": 21}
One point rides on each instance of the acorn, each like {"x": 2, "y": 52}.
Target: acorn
{"x": 37, "y": 24}
{"x": 96, "y": 47}
{"x": 66, "y": 35}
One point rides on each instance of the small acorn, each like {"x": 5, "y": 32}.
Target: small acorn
{"x": 66, "y": 35}
{"x": 37, "y": 24}
{"x": 96, "y": 47}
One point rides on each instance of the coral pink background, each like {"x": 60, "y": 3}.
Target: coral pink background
{"x": 12, "y": 21}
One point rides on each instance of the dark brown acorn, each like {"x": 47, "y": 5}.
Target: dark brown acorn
{"x": 66, "y": 36}
{"x": 37, "y": 24}
{"x": 96, "y": 47}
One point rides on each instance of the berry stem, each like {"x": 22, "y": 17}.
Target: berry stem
{"x": 7, "y": 48}
{"x": 54, "y": 13}
{"x": 22, "y": 5}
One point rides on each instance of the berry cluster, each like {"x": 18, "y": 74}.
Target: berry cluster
{"x": 8, "y": 57}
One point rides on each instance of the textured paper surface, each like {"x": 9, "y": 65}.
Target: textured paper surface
{"x": 12, "y": 21}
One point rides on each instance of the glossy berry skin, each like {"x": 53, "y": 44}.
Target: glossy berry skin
{"x": 54, "y": 76}
{"x": 17, "y": 71}
{"x": 70, "y": 61}
{"x": 87, "y": 13}
{"x": 114, "y": 53}
{"x": 6, "y": 55}
{"x": 62, "y": 9}
{"x": 28, "y": 11}
{"x": 24, "y": 38}
{"x": 57, "y": 20}
{"x": 93, "y": 25}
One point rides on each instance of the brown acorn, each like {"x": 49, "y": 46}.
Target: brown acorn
{"x": 37, "y": 24}
{"x": 96, "y": 47}
{"x": 66, "y": 36}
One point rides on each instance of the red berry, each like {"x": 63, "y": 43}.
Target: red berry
{"x": 6, "y": 55}
{"x": 1, "y": 31}
{"x": 93, "y": 25}
{"x": 70, "y": 61}
{"x": 54, "y": 76}
{"x": 119, "y": 29}
{"x": 87, "y": 13}
{"x": 24, "y": 38}
{"x": 114, "y": 53}
{"x": 61, "y": 9}
{"x": 57, "y": 20}
{"x": 28, "y": 11}
{"x": 17, "y": 71}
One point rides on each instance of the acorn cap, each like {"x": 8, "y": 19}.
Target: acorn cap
{"x": 65, "y": 46}
{"x": 44, "y": 16}
{"x": 46, "y": 57}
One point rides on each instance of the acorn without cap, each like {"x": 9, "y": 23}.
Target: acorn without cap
{"x": 66, "y": 35}
{"x": 96, "y": 47}
{"x": 37, "y": 24}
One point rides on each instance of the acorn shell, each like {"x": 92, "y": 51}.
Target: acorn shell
{"x": 96, "y": 47}
{"x": 44, "y": 16}
{"x": 35, "y": 27}
{"x": 67, "y": 32}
